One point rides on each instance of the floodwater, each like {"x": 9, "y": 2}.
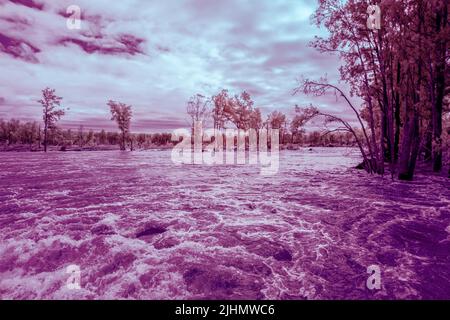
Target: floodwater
{"x": 140, "y": 227}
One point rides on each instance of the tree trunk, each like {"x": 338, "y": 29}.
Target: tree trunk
{"x": 448, "y": 155}
{"x": 403, "y": 165}
{"x": 383, "y": 139}
{"x": 39, "y": 137}
{"x": 411, "y": 133}
{"x": 45, "y": 137}
{"x": 122, "y": 147}
{"x": 415, "y": 145}
{"x": 410, "y": 148}
{"x": 398, "y": 123}
{"x": 441, "y": 20}
{"x": 428, "y": 147}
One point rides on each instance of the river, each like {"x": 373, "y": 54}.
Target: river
{"x": 140, "y": 227}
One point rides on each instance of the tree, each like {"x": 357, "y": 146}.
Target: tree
{"x": 50, "y": 101}
{"x": 277, "y": 119}
{"x": 399, "y": 72}
{"x": 102, "y": 138}
{"x": 80, "y": 136}
{"x": 121, "y": 113}
{"x": 68, "y": 137}
{"x": 439, "y": 66}
{"x": 141, "y": 139}
{"x": 256, "y": 120}
{"x": 12, "y": 131}
{"x": 29, "y": 133}
{"x": 113, "y": 138}
{"x": 237, "y": 109}
{"x": 90, "y": 137}
{"x": 297, "y": 123}
{"x": 222, "y": 106}
{"x": 320, "y": 88}
{"x": 241, "y": 110}
{"x": 198, "y": 109}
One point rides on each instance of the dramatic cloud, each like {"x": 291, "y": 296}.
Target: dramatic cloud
{"x": 155, "y": 55}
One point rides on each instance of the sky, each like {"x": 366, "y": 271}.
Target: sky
{"x": 154, "y": 55}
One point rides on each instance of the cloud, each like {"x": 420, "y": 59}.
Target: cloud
{"x": 29, "y": 3}
{"x": 18, "y": 48}
{"x": 156, "y": 55}
{"x": 122, "y": 44}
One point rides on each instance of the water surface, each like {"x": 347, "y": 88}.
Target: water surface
{"x": 140, "y": 227}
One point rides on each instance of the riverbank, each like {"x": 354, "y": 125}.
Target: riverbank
{"x": 27, "y": 148}
{"x": 34, "y": 148}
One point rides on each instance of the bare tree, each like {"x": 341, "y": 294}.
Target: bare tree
{"x": 50, "y": 101}
{"x": 321, "y": 87}
{"x": 121, "y": 113}
{"x": 198, "y": 109}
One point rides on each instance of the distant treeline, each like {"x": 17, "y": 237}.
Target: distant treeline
{"x": 29, "y": 135}
{"x": 15, "y": 132}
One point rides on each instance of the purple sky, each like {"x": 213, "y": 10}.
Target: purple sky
{"x": 154, "y": 55}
